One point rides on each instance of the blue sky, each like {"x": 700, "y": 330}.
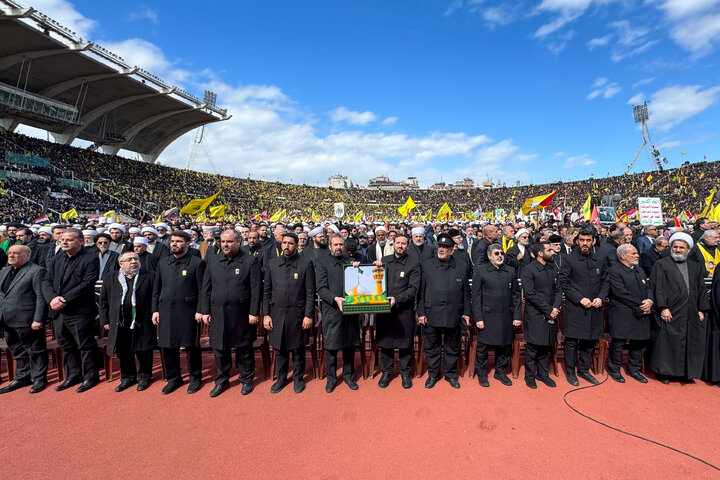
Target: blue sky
{"x": 528, "y": 91}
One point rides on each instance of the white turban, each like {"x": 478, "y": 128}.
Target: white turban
{"x": 89, "y": 232}
{"x": 380, "y": 228}
{"x": 47, "y": 230}
{"x": 418, "y": 231}
{"x": 141, "y": 240}
{"x": 162, "y": 225}
{"x": 334, "y": 228}
{"x": 149, "y": 229}
{"x": 209, "y": 228}
{"x": 315, "y": 231}
{"x": 520, "y": 232}
{"x": 134, "y": 230}
{"x": 118, "y": 226}
{"x": 682, "y": 236}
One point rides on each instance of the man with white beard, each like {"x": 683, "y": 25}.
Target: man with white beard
{"x": 519, "y": 255}
{"x": 382, "y": 247}
{"x": 681, "y": 301}
{"x": 419, "y": 248}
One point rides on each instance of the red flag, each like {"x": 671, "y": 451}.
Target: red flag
{"x": 677, "y": 222}
{"x": 594, "y": 216}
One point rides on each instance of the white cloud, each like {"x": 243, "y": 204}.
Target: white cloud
{"x": 65, "y": 14}
{"x": 582, "y": 161}
{"x": 452, "y": 7}
{"x": 525, "y": 157}
{"x": 342, "y": 114}
{"x": 390, "y": 121}
{"x": 147, "y": 55}
{"x": 144, "y": 13}
{"x": 603, "y": 87}
{"x": 598, "y": 42}
{"x": 670, "y": 144}
{"x": 672, "y": 105}
{"x": 569, "y": 10}
{"x": 696, "y": 23}
{"x": 636, "y": 99}
{"x": 643, "y": 81}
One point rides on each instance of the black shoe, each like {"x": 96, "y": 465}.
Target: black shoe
{"x": 638, "y": 376}
{"x": 194, "y": 386}
{"x": 384, "y": 381}
{"x": 15, "y": 385}
{"x": 406, "y": 381}
{"x": 589, "y": 378}
{"x": 453, "y": 382}
{"x": 278, "y": 385}
{"x": 351, "y": 383}
{"x": 172, "y": 386}
{"x": 246, "y": 388}
{"x": 548, "y": 381}
{"x": 572, "y": 379}
{"x": 142, "y": 385}
{"x": 298, "y": 385}
{"x": 530, "y": 382}
{"x": 39, "y": 386}
{"x": 502, "y": 378}
{"x": 70, "y": 382}
{"x": 430, "y": 382}
{"x": 330, "y": 386}
{"x": 219, "y": 388}
{"x": 617, "y": 376}
{"x": 87, "y": 385}
{"x": 125, "y": 383}
{"x": 483, "y": 381}
{"x": 664, "y": 381}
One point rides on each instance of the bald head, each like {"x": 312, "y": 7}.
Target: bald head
{"x": 18, "y": 255}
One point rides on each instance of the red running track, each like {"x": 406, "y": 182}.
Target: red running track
{"x": 497, "y": 432}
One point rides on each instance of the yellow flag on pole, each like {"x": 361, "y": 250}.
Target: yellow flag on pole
{"x": 708, "y": 203}
{"x": 198, "y": 205}
{"x": 444, "y": 212}
{"x": 407, "y": 206}
{"x": 218, "y": 211}
{"x": 69, "y": 214}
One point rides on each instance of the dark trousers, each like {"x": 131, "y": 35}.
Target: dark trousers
{"x": 502, "y": 358}
{"x": 578, "y": 352}
{"x": 282, "y": 363}
{"x": 244, "y": 359}
{"x": 439, "y": 342}
{"x": 29, "y": 350}
{"x": 171, "y": 357}
{"x": 76, "y": 339}
{"x": 123, "y": 350}
{"x": 348, "y": 370}
{"x": 387, "y": 360}
{"x": 636, "y": 350}
{"x": 537, "y": 360}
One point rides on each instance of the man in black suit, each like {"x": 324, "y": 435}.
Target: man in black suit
{"x": 69, "y": 288}
{"x": 23, "y": 312}
{"x": 658, "y": 251}
{"x": 126, "y": 313}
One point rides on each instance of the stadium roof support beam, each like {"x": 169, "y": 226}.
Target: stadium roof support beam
{"x": 74, "y": 82}
{"x": 130, "y": 132}
{"x": 163, "y": 143}
{"x": 95, "y": 113}
{"x": 17, "y": 12}
{"x": 10, "y": 60}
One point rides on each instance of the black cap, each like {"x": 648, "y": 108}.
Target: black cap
{"x": 453, "y": 232}
{"x": 445, "y": 239}
{"x": 555, "y": 239}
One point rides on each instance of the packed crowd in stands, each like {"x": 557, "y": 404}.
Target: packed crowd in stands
{"x": 150, "y": 189}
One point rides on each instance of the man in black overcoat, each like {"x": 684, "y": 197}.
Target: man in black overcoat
{"x": 496, "y": 303}
{"x": 543, "y": 298}
{"x": 630, "y": 303}
{"x": 23, "y": 314}
{"x": 69, "y": 288}
{"x": 288, "y": 309}
{"x": 582, "y": 322}
{"x": 681, "y": 301}
{"x": 126, "y": 313}
{"x": 178, "y": 284}
{"x": 230, "y": 303}
{"x": 340, "y": 332}
{"x": 397, "y": 328}
{"x": 443, "y": 304}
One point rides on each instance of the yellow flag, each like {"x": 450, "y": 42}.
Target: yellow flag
{"x": 444, "y": 212}
{"x": 407, "y": 206}
{"x": 202, "y": 217}
{"x": 359, "y": 216}
{"x": 159, "y": 219}
{"x": 69, "y": 214}
{"x": 109, "y": 214}
{"x": 708, "y": 201}
{"x": 218, "y": 211}
{"x": 649, "y": 178}
{"x": 536, "y": 203}
{"x": 715, "y": 215}
{"x": 587, "y": 209}
{"x": 277, "y": 216}
{"x": 198, "y": 205}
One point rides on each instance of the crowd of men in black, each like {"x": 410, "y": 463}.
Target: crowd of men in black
{"x": 159, "y": 285}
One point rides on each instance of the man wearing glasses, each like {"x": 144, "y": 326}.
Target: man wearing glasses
{"x": 518, "y": 256}
{"x": 496, "y": 303}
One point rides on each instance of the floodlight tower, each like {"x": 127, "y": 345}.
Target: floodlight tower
{"x": 640, "y": 115}
{"x": 210, "y": 99}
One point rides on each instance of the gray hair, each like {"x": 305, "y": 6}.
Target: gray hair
{"x": 622, "y": 250}
{"x": 659, "y": 241}
{"x": 236, "y": 234}
{"x": 124, "y": 255}
{"x": 618, "y": 234}
{"x": 707, "y": 233}
{"x": 492, "y": 247}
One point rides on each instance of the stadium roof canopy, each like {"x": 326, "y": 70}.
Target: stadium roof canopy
{"x": 52, "y": 79}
